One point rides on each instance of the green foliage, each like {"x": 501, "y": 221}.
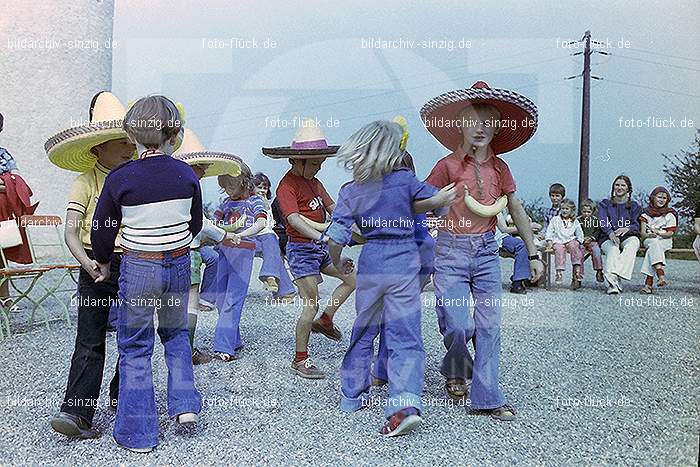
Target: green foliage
{"x": 682, "y": 173}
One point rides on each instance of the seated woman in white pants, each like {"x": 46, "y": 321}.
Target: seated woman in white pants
{"x": 658, "y": 224}
{"x": 619, "y": 224}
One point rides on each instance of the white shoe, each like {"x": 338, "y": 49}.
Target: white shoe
{"x": 188, "y": 418}
{"x": 612, "y": 290}
{"x": 137, "y": 450}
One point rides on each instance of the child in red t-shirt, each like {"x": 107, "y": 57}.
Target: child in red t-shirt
{"x": 483, "y": 123}
{"x": 305, "y": 203}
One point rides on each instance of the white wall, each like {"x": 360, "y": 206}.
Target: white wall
{"x": 48, "y": 89}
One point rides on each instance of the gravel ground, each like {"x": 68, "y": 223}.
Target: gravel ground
{"x": 597, "y": 380}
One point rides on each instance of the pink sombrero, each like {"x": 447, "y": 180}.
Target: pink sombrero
{"x": 308, "y": 143}
{"x": 439, "y": 116}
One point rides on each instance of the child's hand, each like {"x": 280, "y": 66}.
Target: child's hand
{"x": 346, "y": 266}
{"x": 548, "y": 246}
{"x": 621, "y": 231}
{"x": 92, "y": 268}
{"x": 587, "y": 241}
{"x": 614, "y": 239}
{"x": 103, "y": 272}
{"x": 446, "y": 195}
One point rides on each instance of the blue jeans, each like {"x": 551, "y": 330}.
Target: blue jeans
{"x": 208, "y": 289}
{"x": 427, "y": 259}
{"x": 273, "y": 266}
{"x": 516, "y": 247}
{"x": 232, "y": 281}
{"x": 148, "y": 286}
{"x": 387, "y": 275}
{"x": 467, "y": 270}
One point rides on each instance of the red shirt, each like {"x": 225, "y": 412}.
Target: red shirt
{"x": 460, "y": 168}
{"x": 306, "y": 197}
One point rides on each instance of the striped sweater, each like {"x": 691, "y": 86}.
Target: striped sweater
{"x": 158, "y": 202}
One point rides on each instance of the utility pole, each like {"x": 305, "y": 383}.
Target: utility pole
{"x": 584, "y": 157}
{"x": 585, "y": 152}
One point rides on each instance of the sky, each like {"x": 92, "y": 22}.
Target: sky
{"x": 245, "y": 69}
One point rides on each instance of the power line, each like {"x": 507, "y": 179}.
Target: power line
{"x": 664, "y": 55}
{"x": 383, "y": 93}
{"x": 377, "y": 83}
{"x": 656, "y": 63}
{"x": 391, "y": 112}
{"x": 652, "y": 88}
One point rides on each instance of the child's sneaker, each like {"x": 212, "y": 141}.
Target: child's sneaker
{"x": 306, "y": 369}
{"x": 401, "y": 423}
{"x": 378, "y": 382}
{"x": 189, "y": 418}
{"x": 332, "y": 332}
{"x": 271, "y": 284}
{"x": 200, "y": 357}
{"x": 661, "y": 281}
{"x": 559, "y": 278}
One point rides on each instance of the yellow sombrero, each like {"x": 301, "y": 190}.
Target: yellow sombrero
{"x": 218, "y": 163}
{"x": 70, "y": 149}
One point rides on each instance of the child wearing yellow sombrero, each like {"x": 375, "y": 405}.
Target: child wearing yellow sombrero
{"x": 205, "y": 164}
{"x": 305, "y": 203}
{"x": 93, "y": 150}
{"x": 476, "y": 125}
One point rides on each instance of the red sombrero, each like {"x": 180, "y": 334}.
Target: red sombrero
{"x": 439, "y": 116}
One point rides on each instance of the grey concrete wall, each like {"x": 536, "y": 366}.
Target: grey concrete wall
{"x": 54, "y": 55}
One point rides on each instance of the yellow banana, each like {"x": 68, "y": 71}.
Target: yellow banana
{"x": 485, "y": 210}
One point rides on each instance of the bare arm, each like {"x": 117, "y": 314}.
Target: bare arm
{"x": 302, "y": 227}
{"x": 442, "y": 198}
{"x": 72, "y": 238}
{"x": 253, "y": 229}
{"x": 522, "y": 223}
{"x": 335, "y": 251}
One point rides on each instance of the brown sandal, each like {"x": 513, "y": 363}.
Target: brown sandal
{"x": 456, "y": 388}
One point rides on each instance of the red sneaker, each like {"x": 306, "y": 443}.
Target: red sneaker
{"x": 401, "y": 423}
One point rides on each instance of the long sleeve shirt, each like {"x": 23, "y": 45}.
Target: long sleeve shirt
{"x": 613, "y": 216}
{"x": 157, "y": 200}
{"x": 563, "y": 230}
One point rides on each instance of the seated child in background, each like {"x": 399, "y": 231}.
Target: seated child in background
{"x": 590, "y": 224}
{"x": 245, "y": 216}
{"x": 658, "y": 224}
{"x": 388, "y": 271}
{"x": 273, "y": 272}
{"x": 508, "y": 241}
{"x": 557, "y": 192}
{"x": 564, "y": 234}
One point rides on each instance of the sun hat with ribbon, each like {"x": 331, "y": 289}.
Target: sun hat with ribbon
{"x": 70, "y": 149}
{"x": 308, "y": 143}
{"x": 215, "y": 162}
{"x": 518, "y": 120}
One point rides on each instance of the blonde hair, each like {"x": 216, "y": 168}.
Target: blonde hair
{"x": 152, "y": 121}
{"x": 566, "y": 202}
{"x": 372, "y": 151}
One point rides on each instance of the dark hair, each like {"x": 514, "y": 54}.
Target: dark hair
{"x": 261, "y": 179}
{"x": 2, "y": 121}
{"x": 627, "y": 180}
{"x": 557, "y": 188}
{"x": 407, "y": 161}
{"x": 152, "y": 120}
{"x": 92, "y": 104}
{"x": 244, "y": 182}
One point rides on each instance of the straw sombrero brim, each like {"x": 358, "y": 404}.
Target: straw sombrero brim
{"x": 70, "y": 149}
{"x": 439, "y": 116}
{"x": 287, "y": 152}
{"x": 218, "y": 163}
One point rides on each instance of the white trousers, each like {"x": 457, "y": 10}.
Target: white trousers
{"x": 656, "y": 249}
{"x": 619, "y": 262}
{"x": 696, "y": 247}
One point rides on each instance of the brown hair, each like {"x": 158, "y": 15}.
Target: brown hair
{"x": 627, "y": 180}
{"x": 589, "y": 203}
{"x": 557, "y": 189}
{"x": 243, "y": 183}
{"x": 152, "y": 121}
